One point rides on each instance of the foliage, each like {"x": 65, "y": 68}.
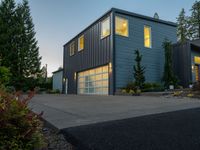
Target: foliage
{"x": 196, "y": 86}
{"x": 152, "y": 87}
{"x": 130, "y": 86}
{"x": 4, "y": 75}
{"x": 168, "y": 76}
{"x": 18, "y": 46}
{"x": 182, "y": 29}
{"x": 139, "y": 70}
{"x": 194, "y": 21}
{"x": 20, "y": 128}
{"x": 57, "y": 91}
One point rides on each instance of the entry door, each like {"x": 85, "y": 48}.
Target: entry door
{"x": 197, "y": 72}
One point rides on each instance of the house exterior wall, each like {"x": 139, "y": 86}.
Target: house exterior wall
{"x": 153, "y": 58}
{"x": 97, "y": 52}
{"x": 57, "y": 81}
{"x": 182, "y": 62}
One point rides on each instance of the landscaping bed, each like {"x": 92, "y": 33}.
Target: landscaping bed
{"x": 54, "y": 139}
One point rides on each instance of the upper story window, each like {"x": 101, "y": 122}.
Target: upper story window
{"x": 121, "y": 26}
{"x": 81, "y": 43}
{"x": 147, "y": 37}
{"x": 72, "y": 49}
{"x": 105, "y": 27}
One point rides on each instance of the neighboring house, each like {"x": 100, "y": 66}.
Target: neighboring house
{"x": 58, "y": 80}
{"x": 186, "y": 60}
{"x": 100, "y": 59}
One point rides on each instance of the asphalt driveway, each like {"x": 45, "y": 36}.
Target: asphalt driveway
{"x": 64, "y": 111}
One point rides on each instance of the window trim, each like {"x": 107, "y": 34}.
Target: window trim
{"x": 79, "y": 49}
{"x": 107, "y": 18}
{"x": 147, "y": 26}
{"x": 127, "y": 26}
{"x": 70, "y": 50}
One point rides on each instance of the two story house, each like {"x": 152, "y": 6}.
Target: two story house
{"x": 100, "y": 59}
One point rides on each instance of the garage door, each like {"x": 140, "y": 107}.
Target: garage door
{"x": 94, "y": 81}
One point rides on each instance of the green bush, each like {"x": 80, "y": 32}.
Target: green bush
{"x": 130, "y": 86}
{"x": 20, "y": 128}
{"x": 152, "y": 87}
{"x": 57, "y": 91}
{"x": 4, "y": 75}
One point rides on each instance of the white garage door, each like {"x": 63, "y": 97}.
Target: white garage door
{"x": 94, "y": 81}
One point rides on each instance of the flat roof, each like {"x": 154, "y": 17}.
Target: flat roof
{"x": 59, "y": 70}
{"x": 124, "y": 12}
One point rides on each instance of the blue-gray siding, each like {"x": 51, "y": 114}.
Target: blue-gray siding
{"x": 153, "y": 58}
{"x": 96, "y": 52}
{"x": 57, "y": 81}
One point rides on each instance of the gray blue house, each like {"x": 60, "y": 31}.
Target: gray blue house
{"x": 100, "y": 59}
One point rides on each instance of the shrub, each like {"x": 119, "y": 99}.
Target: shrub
{"x": 196, "y": 86}
{"x": 152, "y": 87}
{"x": 57, "y": 91}
{"x": 4, "y": 75}
{"x": 130, "y": 86}
{"x": 20, "y": 128}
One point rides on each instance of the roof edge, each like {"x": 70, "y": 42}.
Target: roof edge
{"x": 126, "y": 13}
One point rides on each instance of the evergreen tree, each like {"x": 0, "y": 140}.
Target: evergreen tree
{"x": 194, "y": 29}
{"x": 18, "y": 46}
{"x": 139, "y": 70}
{"x": 168, "y": 76}
{"x": 29, "y": 49}
{"x": 182, "y": 30}
{"x": 8, "y": 36}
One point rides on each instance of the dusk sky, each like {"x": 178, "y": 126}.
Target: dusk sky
{"x": 56, "y": 22}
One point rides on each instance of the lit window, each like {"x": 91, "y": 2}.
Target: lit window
{"x": 196, "y": 60}
{"x": 81, "y": 43}
{"x": 121, "y": 26}
{"x": 105, "y": 27}
{"x": 147, "y": 36}
{"x": 72, "y": 49}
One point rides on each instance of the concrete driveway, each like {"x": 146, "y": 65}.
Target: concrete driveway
{"x": 64, "y": 111}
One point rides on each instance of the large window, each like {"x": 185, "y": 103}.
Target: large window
{"x": 105, "y": 27}
{"x": 94, "y": 81}
{"x": 81, "y": 43}
{"x": 147, "y": 37}
{"x": 72, "y": 49}
{"x": 121, "y": 26}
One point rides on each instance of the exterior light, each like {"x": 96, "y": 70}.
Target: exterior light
{"x": 110, "y": 67}
{"x": 75, "y": 76}
{"x": 64, "y": 79}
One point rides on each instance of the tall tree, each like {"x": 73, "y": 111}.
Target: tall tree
{"x": 8, "y": 36}
{"x": 168, "y": 75}
{"x": 29, "y": 49}
{"x": 182, "y": 29}
{"x": 194, "y": 21}
{"x": 18, "y": 46}
{"x": 139, "y": 70}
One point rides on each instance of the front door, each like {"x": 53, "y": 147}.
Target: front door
{"x": 197, "y": 72}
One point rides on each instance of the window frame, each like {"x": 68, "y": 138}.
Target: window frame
{"x": 70, "y": 48}
{"x": 103, "y": 21}
{"x": 123, "y": 18}
{"x": 80, "y": 49}
{"x": 147, "y": 26}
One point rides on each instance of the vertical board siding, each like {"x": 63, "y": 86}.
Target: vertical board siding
{"x": 153, "y": 58}
{"x": 182, "y": 63}
{"x": 96, "y": 53}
